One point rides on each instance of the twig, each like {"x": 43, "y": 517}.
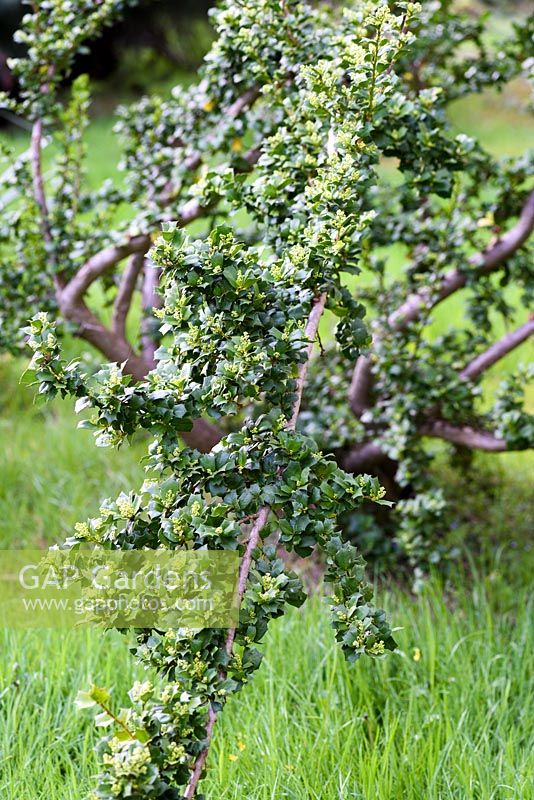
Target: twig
{"x": 310, "y": 333}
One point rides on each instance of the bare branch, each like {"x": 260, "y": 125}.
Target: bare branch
{"x": 127, "y": 286}
{"x": 98, "y": 265}
{"x": 310, "y": 333}
{"x": 360, "y": 386}
{"x": 465, "y": 435}
{"x": 115, "y": 348}
{"x": 107, "y": 259}
{"x": 498, "y": 350}
{"x": 454, "y": 280}
{"x": 36, "y": 150}
{"x": 254, "y": 538}
{"x": 38, "y": 183}
{"x": 191, "y": 788}
{"x": 369, "y": 454}
{"x": 362, "y": 457}
{"x": 247, "y": 99}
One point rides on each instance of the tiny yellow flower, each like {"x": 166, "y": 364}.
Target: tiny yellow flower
{"x": 486, "y": 222}
{"x": 241, "y": 745}
{"x": 237, "y": 145}
{"x": 209, "y": 105}
{"x": 416, "y": 654}
{"x": 232, "y": 757}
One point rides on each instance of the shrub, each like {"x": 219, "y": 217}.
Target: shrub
{"x": 295, "y": 110}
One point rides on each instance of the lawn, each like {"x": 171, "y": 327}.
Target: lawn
{"x": 449, "y": 715}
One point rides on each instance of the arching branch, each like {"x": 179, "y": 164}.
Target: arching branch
{"x": 498, "y": 350}
{"x": 456, "y": 279}
{"x": 127, "y": 286}
{"x": 360, "y": 386}
{"x": 362, "y": 457}
{"x": 38, "y": 183}
{"x": 104, "y": 261}
{"x": 98, "y": 265}
{"x": 369, "y": 455}
{"x": 465, "y": 436}
{"x": 429, "y": 297}
{"x": 114, "y": 347}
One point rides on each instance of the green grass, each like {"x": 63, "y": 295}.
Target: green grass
{"x": 454, "y": 723}
{"x": 52, "y": 474}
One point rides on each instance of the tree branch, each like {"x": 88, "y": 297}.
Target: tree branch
{"x": 253, "y": 541}
{"x": 203, "y": 435}
{"x": 369, "y": 454}
{"x": 362, "y": 457}
{"x": 464, "y": 435}
{"x": 310, "y": 333}
{"x": 498, "y": 350}
{"x": 429, "y": 298}
{"x": 456, "y": 279}
{"x": 108, "y": 258}
{"x": 38, "y": 183}
{"x": 114, "y": 347}
{"x": 360, "y": 386}
{"x": 123, "y": 301}
{"x": 36, "y": 149}
{"x": 255, "y": 536}
{"x": 98, "y": 265}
